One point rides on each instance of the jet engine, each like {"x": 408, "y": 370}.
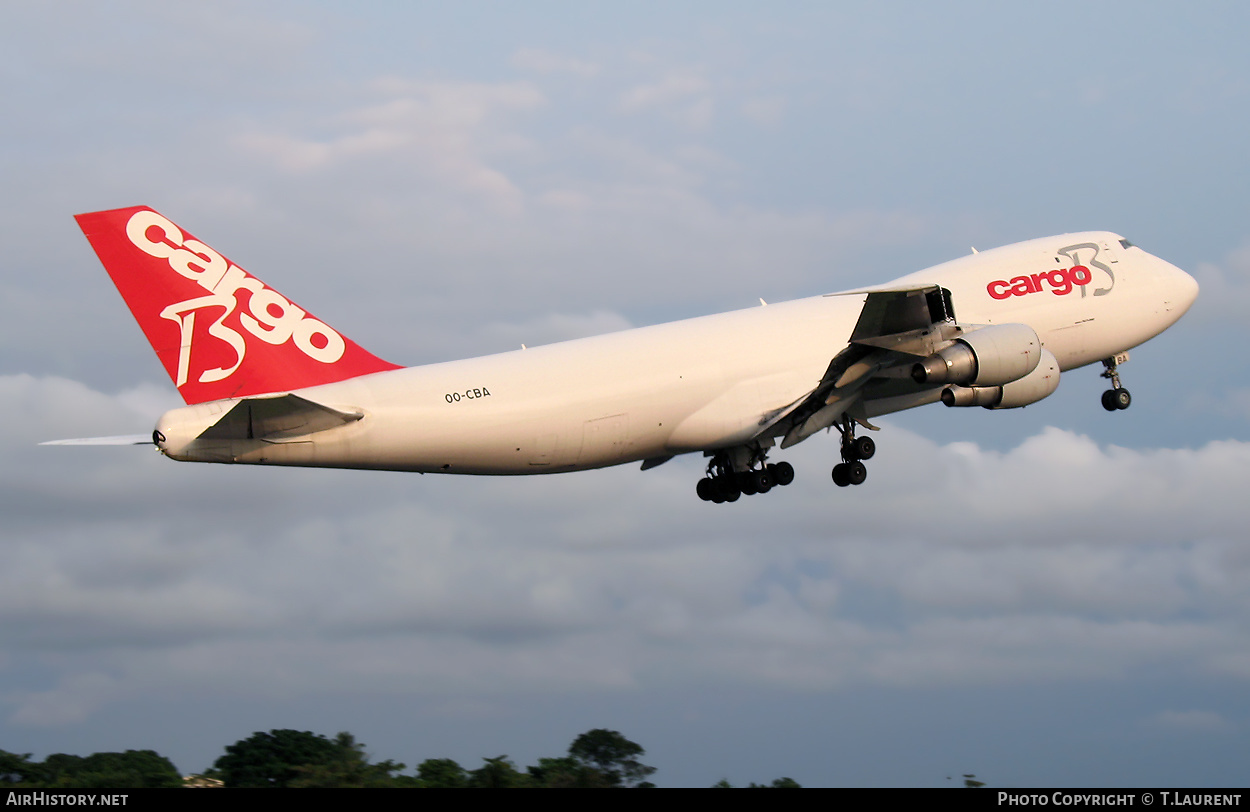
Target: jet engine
{"x": 990, "y": 356}
{"x": 1038, "y": 384}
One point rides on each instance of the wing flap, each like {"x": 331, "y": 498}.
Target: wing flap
{"x": 894, "y": 326}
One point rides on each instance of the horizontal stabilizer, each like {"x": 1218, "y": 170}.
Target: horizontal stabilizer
{"x": 118, "y": 439}
{"x": 276, "y": 419}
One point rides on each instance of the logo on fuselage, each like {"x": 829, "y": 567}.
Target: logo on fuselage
{"x": 1060, "y": 282}
{"x": 269, "y": 316}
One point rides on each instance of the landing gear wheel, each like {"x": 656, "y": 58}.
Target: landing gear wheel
{"x": 864, "y": 448}
{"x": 1116, "y": 399}
{"x": 782, "y": 473}
{"x": 851, "y": 470}
{"x": 742, "y": 471}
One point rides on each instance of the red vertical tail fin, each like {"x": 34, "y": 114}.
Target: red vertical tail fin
{"x": 219, "y": 331}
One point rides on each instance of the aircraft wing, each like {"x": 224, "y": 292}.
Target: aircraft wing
{"x": 895, "y": 327}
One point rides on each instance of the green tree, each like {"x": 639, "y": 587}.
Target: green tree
{"x": 442, "y": 773}
{"x": 567, "y": 772}
{"x": 778, "y": 783}
{"x": 15, "y": 769}
{"x": 613, "y": 755}
{"x": 272, "y": 759}
{"x": 496, "y": 773}
{"x": 133, "y": 769}
{"x": 349, "y": 767}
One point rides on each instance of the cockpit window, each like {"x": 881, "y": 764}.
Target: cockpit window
{"x": 1125, "y": 244}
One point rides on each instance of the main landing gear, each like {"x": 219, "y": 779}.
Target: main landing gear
{"x": 738, "y": 471}
{"x": 1117, "y": 397}
{"x": 851, "y": 470}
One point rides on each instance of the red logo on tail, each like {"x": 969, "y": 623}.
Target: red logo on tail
{"x": 265, "y": 344}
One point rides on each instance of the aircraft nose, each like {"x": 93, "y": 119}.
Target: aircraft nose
{"x": 1182, "y": 289}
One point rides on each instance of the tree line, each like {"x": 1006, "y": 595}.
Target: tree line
{"x": 301, "y": 759}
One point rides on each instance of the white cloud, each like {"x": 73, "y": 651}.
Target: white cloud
{"x": 1192, "y": 721}
{"x": 1225, "y": 287}
{"x": 676, "y": 87}
{"x": 767, "y": 111}
{"x": 682, "y": 95}
{"x": 437, "y": 130}
{"x": 536, "y": 60}
{"x": 1041, "y": 563}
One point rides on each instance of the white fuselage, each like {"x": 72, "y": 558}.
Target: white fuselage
{"x": 694, "y": 385}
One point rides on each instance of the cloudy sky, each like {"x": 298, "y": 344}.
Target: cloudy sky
{"x": 1053, "y": 596}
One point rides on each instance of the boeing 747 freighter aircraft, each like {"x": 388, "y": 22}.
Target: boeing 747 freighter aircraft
{"x": 266, "y": 383}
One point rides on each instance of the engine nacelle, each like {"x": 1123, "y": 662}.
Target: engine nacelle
{"x": 991, "y": 356}
{"x": 1038, "y": 384}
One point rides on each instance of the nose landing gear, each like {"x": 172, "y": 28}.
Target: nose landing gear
{"x": 1117, "y": 397}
